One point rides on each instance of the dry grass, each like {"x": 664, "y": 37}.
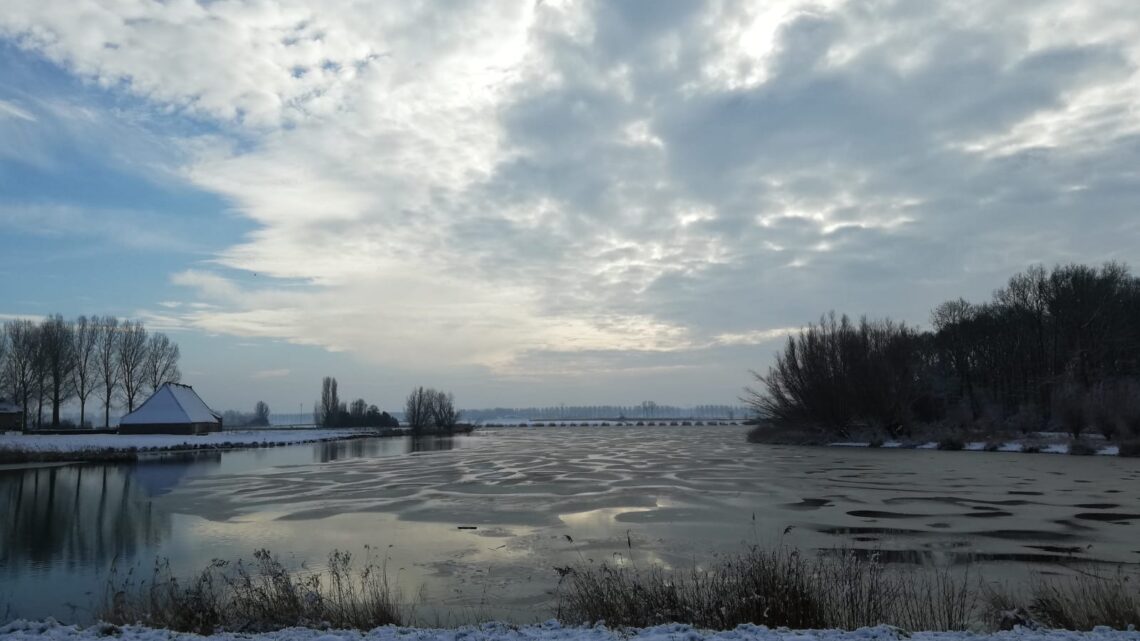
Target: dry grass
{"x": 777, "y": 587}
{"x": 257, "y": 597}
{"x": 1081, "y": 602}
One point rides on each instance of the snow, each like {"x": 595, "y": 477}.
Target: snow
{"x": 975, "y": 446}
{"x": 83, "y": 442}
{"x": 171, "y": 403}
{"x": 549, "y": 631}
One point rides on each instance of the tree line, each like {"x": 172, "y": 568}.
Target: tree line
{"x": 330, "y": 411}
{"x": 1052, "y": 348}
{"x": 54, "y": 361}
{"x": 644, "y": 410}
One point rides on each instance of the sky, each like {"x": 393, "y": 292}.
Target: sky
{"x": 538, "y": 203}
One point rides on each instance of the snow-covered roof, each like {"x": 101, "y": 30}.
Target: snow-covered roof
{"x": 172, "y": 403}
{"x": 9, "y": 408}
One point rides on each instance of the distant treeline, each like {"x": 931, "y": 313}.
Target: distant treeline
{"x": 647, "y": 409}
{"x": 259, "y": 417}
{"x": 54, "y": 361}
{"x": 330, "y": 411}
{"x": 1052, "y": 349}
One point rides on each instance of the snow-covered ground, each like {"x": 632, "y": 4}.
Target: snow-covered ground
{"x": 114, "y": 442}
{"x": 550, "y": 631}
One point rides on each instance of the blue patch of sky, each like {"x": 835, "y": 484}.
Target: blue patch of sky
{"x": 108, "y": 181}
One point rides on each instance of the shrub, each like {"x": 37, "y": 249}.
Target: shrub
{"x": 1031, "y": 449}
{"x": 1081, "y": 448}
{"x": 256, "y": 597}
{"x": 1071, "y": 410}
{"x": 779, "y": 587}
{"x": 951, "y": 443}
{"x": 1087, "y": 601}
{"x": 875, "y": 442}
{"x": 1130, "y": 448}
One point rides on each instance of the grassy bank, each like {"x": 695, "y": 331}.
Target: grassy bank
{"x": 777, "y": 587}
{"x": 844, "y": 590}
{"x": 257, "y": 596}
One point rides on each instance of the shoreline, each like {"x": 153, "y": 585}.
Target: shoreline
{"x": 20, "y": 450}
{"x": 1034, "y": 443}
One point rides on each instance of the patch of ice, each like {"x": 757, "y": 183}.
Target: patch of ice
{"x": 975, "y": 446}
{"x": 1111, "y": 450}
{"x": 927, "y": 446}
{"x": 1056, "y": 448}
{"x": 1011, "y": 447}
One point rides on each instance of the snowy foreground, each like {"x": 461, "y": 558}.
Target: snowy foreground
{"x": 551, "y": 631}
{"x": 121, "y": 442}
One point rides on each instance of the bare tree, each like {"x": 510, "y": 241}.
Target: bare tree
{"x": 417, "y": 409}
{"x": 443, "y": 411}
{"x": 132, "y": 361}
{"x": 87, "y": 337}
{"x": 328, "y": 409}
{"x": 107, "y": 362}
{"x": 161, "y": 364}
{"x": 20, "y": 367}
{"x": 260, "y": 414}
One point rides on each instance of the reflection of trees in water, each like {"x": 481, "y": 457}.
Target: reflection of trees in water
{"x": 74, "y": 516}
{"x": 431, "y": 444}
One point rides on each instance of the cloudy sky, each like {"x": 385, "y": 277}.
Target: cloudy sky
{"x": 547, "y": 202}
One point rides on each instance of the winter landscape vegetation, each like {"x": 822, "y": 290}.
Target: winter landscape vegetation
{"x": 569, "y": 321}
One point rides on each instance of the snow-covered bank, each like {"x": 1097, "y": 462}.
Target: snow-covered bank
{"x": 550, "y": 631}
{"x": 980, "y": 446}
{"x": 74, "y": 444}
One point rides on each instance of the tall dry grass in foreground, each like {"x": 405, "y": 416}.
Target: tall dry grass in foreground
{"x": 782, "y": 587}
{"x": 776, "y": 587}
{"x": 256, "y": 597}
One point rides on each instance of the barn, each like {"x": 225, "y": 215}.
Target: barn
{"x": 11, "y": 416}
{"x": 172, "y": 409}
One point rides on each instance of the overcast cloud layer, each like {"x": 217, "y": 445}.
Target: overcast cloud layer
{"x": 548, "y": 190}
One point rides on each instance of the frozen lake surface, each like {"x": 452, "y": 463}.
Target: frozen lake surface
{"x": 544, "y": 497}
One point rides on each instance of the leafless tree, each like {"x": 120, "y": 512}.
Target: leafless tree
{"x": 132, "y": 361}
{"x": 87, "y": 337}
{"x": 20, "y": 366}
{"x": 107, "y": 362}
{"x": 443, "y": 411}
{"x": 328, "y": 409}
{"x": 260, "y": 414}
{"x": 418, "y": 409}
{"x": 161, "y": 364}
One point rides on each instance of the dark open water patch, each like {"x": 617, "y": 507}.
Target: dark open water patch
{"x": 808, "y": 504}
{"x": 881, "y": 514}
{"x": 1106, "y": 516}
{"x": 987, "y": 514}
{"x": 1058, "y": 549}
{"x": 1097, "y": 506}
{"x": 886, "y": 531}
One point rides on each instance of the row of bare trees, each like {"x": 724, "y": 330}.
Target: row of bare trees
{"x": 330, "y": 411}
{"x": 56, "y": 361}
{"x": 1047, "y": 342}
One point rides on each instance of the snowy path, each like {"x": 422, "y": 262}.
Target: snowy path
{"x": 38, "y": 631}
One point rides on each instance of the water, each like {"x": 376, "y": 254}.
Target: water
{"x": 538, "y": 498}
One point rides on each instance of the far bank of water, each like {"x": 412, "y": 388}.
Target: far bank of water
{"x": 541, "y": 497}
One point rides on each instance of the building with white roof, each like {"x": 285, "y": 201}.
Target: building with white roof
{"x": 172, "y": 409}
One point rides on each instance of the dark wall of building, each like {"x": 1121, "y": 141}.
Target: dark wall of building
{"x": 171, "y": 428}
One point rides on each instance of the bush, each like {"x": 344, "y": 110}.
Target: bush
{"x": 951, "y": 443}
{"x": 256, "y": 597}
{"x": 779, "y": 587}
{"x": 1071, "y": 409}
{"x": 1130, "y": 448}
{"x": 1081, "y": 448}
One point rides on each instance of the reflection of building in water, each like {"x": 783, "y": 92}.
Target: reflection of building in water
{"x": 75, "y": 515}
{"x": 157, "y": 474}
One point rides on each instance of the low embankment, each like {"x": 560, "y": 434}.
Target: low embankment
{"x": 46, "y": 448}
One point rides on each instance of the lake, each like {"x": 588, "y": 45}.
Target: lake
{"x": 530, "y": 499}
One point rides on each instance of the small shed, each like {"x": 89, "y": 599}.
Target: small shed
{"x": 11, "y": 416}
{"x": 172, "y": 409}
